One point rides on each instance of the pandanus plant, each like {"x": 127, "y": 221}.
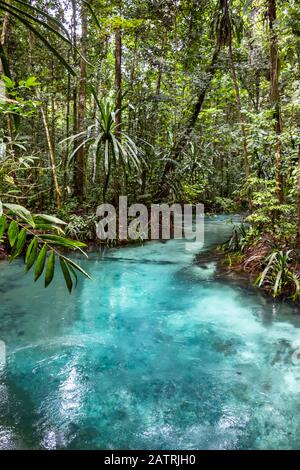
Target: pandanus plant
{"x": 111, "y": 146}
{"x": 278, "y": 275}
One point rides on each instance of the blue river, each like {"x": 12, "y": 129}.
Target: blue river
{"x": 154, "y": 352}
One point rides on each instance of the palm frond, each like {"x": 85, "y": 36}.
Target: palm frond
{"x": 25, "y": 18}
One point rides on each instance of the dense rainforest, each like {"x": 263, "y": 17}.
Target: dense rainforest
{"x": 162, "y": 100}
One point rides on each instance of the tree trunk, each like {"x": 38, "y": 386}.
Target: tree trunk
{"x": 75, "y": 84}
{"x": 118, "y": 88}
{"x": 97, "y": 116}
{"x": 298, "y": 203}
{"x": 180, "y": 145}
{"x": 51, "y": 156}
{"x": 118, "y": 77}
{"x": 67, "y": 152}
{"x": 4, "y": 68}
{"x": 240, "y": 114}
{"x": 275, "y": 94}
{"x": 4, "y": 32}
{"x": 80, "y": 170}
{"x": 160, "y": 66}
{"x": 238, "y": 99}
{"x": 237, "y": 90}
{"x": 254, "y": 59}
{"x": 134, "y": 62}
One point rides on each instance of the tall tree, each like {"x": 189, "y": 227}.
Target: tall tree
{"x": 237, "y": 89}
{"x": 178, "y": 148}
{"x": 118, "y": 73}
{"x": 275, "y": 94}
{"x": 51, "y": 150}
{"x": 3, "y": 38}
{"x": 119, "y": 99}
{"x": 4, "y": 66}
{"x": 80, "y": 169}
{"x": 298, "y": 200}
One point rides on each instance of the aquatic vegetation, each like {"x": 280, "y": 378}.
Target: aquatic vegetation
{"x": 278, "y": 276}
{"x": 81, "y": 227}
{"x": 238, "y": 239}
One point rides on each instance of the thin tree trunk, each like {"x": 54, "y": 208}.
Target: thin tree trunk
{"x": 238, "y": 99}
{"x": 240, "y": 114}
{"x": 118, "y": 88}
{"x": 4, "y": 32}
{"x": 254, "y": 59}
{"x": 275, "y": 94}
{"x": 51, "y": 157}
{"x": 180, "y": 145}
{"x": 53, "y": 112}
{"x": 80, "y": 157}
{"x": 156, "y": 102}
{"x": 66, "y": 155}
{"x": 97, "y": 110}
{"x": 160, "y": 67}
{"x": 132, "y": 80}
{"x": 75, "y": 84}
{"x": 4, "y": 67}
{"x": 237, "y": 95}
{"x": 118, "y": 76}
{"x": 106, "y": 182}
{"x": 298, "y": 202}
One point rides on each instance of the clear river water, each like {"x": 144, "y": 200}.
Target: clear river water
{"x": 153, "y": 353}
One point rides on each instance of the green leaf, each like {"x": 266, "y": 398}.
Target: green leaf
{"x": 93, "y": 14}
{"x": 50, "y": 269}
{"x": 31, "y": 254}
{"x": 74, "y": 153}
{"x": 77, "y": 267}
{"x": 14, "y": 11}
{"x": 276, "y": 287}
{"x": 13, "y": 232}
{"x": 94, "y": 93}
{"x": 9, "y": 83}
{"x": 49, "y": 226}
{"x": 45, "y": 14}
{"x": 41, "y": 37}
{"x": 4, "y": 61}
{"x": 21, "y": 240}
{"x": 2, "y": 225}
{"x": 62, "y": 241}
{"x": 31, "y": 81}
{"x": 40, "y": 263}
{"x": 49, "y": 218}
{"x": 66, "y": 274}
{"x": 74, "y": 274}
{"x": 21, "y": 212}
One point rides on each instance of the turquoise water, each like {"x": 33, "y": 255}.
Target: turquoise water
{"x": 153, "y": 353}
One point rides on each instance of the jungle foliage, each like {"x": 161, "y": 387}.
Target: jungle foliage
{"x": 163, "y": 100}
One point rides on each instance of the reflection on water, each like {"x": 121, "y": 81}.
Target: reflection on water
{"x": 153, "y": 353}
